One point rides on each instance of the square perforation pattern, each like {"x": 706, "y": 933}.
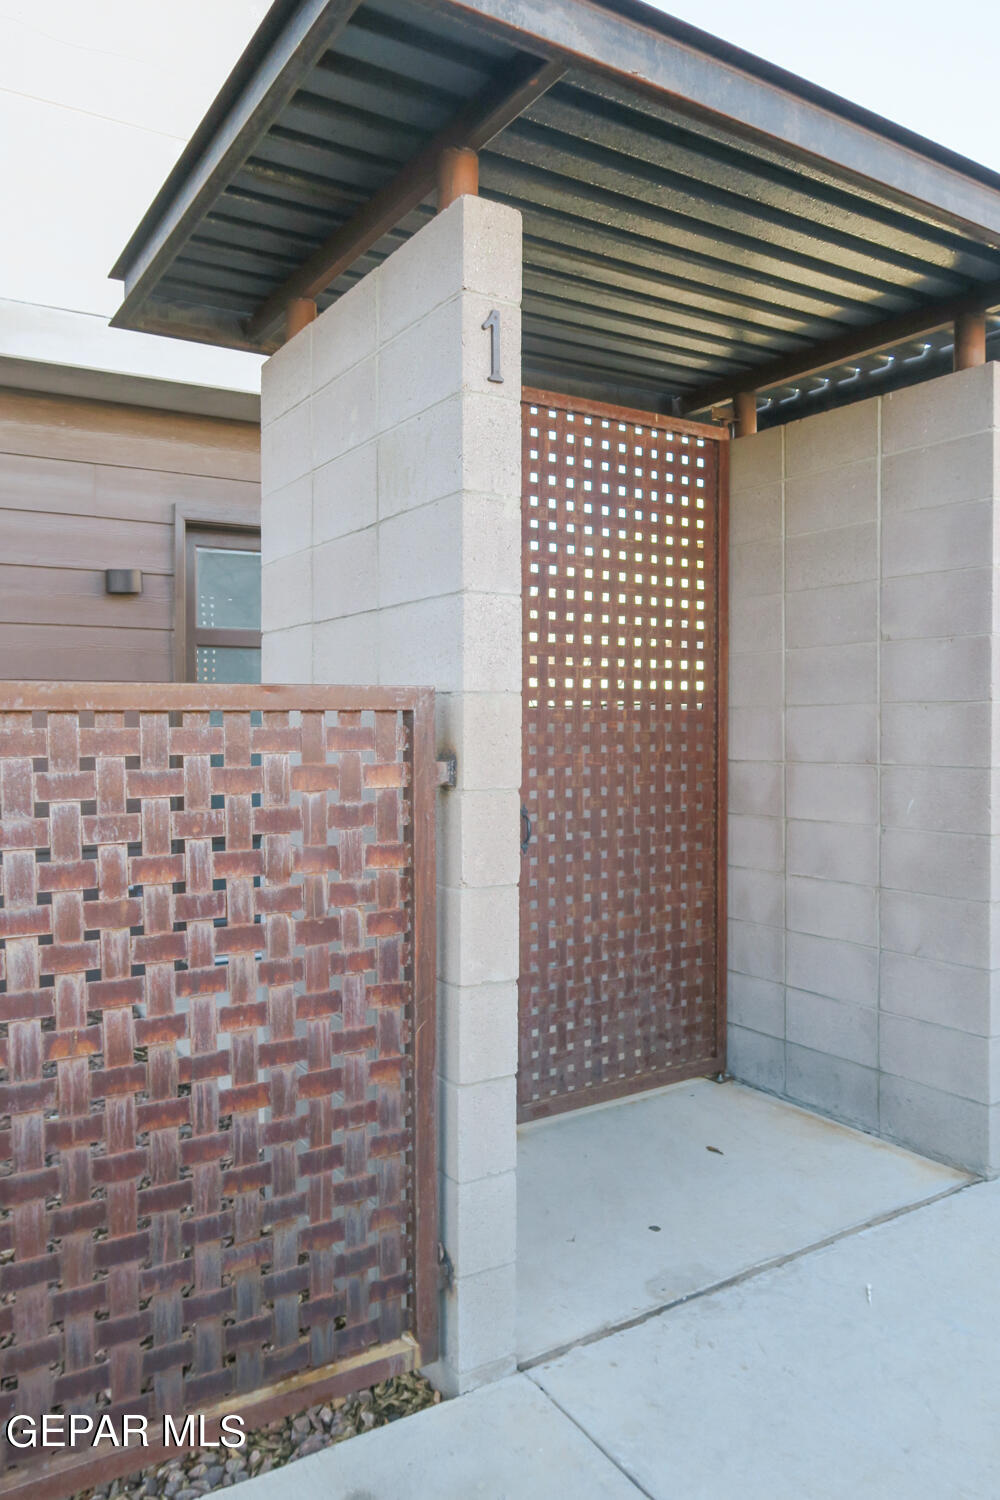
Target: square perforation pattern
{"x": 206, "y": 1005}
{"x": 618, "y": 885}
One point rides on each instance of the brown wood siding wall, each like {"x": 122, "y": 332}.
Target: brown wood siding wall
{"x": 84, "y": 486}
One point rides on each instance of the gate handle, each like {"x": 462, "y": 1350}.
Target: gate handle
{"x": 526, "y": 829}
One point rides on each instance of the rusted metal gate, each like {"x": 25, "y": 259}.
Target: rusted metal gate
{"x": 623, "y": 874}
{"x": 217, "y": 1163}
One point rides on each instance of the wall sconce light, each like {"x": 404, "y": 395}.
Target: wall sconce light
{"x": 123, "y": 580}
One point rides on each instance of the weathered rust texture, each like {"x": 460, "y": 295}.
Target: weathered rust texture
{"x": 458, "y": 173}
{"x": 217, "y": 1167}
{"x": 745, "y": 412}
{"x": 622, "y": 891}
{"x": 970, "y": 340}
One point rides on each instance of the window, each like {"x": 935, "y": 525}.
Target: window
{"x": 222, "y": 588}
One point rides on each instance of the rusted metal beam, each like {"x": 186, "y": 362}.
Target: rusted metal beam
{"x": 860, "y": 341}
{"x": 458, "y": 174}
{"x": 970, "y": 340}
{"x": 745, "y": 412}
{"x": 519, "y": 86}
{"x": 300, "y": 312}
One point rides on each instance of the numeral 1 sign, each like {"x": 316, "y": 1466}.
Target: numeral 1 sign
{"x": 493, "y": 324}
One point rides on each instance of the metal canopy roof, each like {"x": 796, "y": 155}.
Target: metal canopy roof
{"x": 696, "y": 222}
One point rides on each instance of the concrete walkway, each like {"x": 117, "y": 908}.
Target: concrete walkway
{"x": 507, "y": 1441}
{"x": 795, "y": 1384}
{"x": 628, "y": 1207}
{"x": 865, "y": 1367}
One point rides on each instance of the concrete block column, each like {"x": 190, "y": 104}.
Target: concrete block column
{"x": 831, "y": 751}
{"x": 865, "y": 852}
{"x": 756, "y": 939}
{"x": 392, "y": 554}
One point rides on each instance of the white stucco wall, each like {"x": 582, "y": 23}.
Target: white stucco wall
{"x": 97, "y": 101}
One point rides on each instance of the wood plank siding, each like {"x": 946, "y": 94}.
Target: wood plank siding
{"x": 87, "y": 485}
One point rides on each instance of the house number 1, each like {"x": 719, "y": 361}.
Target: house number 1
{"x": 493, "y": 324}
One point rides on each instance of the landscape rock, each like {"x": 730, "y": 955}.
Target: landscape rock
{"x": 196, "y": 1474}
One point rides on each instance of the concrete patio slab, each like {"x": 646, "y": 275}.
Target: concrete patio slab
{"x": 795, "y": 1383}
{"x": 863, "y": 1365}
{"x": 730, "y": 1177}
{"x": 503, "y": 1442}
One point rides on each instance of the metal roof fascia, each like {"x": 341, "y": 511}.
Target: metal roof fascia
{"x": 262, "y": 86}
{"x": 194, "y": 324}
{"x": 804, "y": 119}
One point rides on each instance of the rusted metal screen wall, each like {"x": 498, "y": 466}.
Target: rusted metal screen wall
{"x": 621, "y": 888}
{"x": 216, "y": 991}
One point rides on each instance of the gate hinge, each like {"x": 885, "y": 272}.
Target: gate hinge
{"x": 447, "y": 769}
{"x": 446, "y": 1270}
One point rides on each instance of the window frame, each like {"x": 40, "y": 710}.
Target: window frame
{"x": 223, "y": 528}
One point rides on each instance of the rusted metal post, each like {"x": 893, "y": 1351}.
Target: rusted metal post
{"x": 970, "y": 340}
{"x": 745, "y": 411}
{"x": 458, "y": 173}
{"x": 300, "y": 312}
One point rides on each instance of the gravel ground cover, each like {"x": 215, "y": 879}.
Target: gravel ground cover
{"x": 197, "y": 1473}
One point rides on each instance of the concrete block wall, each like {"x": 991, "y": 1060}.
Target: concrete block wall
{"x": 864, "y": 859}
{"x": 391, "y": 554}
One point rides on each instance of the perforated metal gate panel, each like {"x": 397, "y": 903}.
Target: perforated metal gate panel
{"x": 623, "y": 752}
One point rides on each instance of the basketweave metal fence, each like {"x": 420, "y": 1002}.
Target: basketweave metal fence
{"x": 217, "y": 968}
